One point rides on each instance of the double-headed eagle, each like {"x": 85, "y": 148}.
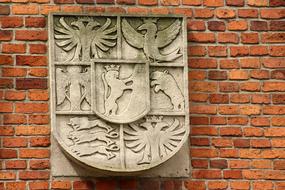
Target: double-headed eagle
{"x": 153, "y": 39}
{"x": 87, "y": 36}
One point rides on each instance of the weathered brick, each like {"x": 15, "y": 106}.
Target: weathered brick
{"x": 272, "y": 13}
{"x": 11, "y": 22}
{"x": 34, "y": 175}
{"x": 203, "y": 13}
{"x": 228, "y": 38}
{"x": 31, "y": 35}
{"x": 31, "y": 60}
{"x": 6, "y": 35}
{"x": 225, "y": 13}
{"x": 239, "y": 25}
{"x": 31, "y": 83}
{"x": 35, "y": 22}
{"x": 13, "y": 48}
{"x": 25, "y": 9}
{"x": 4, "y": 9}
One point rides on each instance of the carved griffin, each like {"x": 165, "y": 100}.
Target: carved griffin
{"x": 87, "y": 36}
{"x": 153, "y": 39}
{"x": 156, "y": 138}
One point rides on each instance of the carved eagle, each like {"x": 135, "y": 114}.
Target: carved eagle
{"x": 153, "y": 39}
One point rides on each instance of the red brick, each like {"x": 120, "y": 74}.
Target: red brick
{"x": 31, "y": 83}
{"x": 273, "y": 37}
{"x": 207, "y": 174}
{"x": 40, "y": 141}
{"x": 13, "y": 48}
{"x": 7, "y": 175}
{"x": 250, "y": 86}
{"x": 199, "y": 97}
{"x": 219, "y": 99}
{"x": 228, "y": 110}
{"x": 39, "y": 185}
{"x": 38, "y": 119}
{"x": 259, "y": 74}
{"x": 35, "y": 22}
{"x": 228, "y": 153}
{"x": 257, "y": 3}
{"x": 6, "y": 60}
{"x": 199, "y": 120}
{"x": 229, "y": 87}
{"x": 6, "y": 107}
{"x": 39, "y": 164}
{"x": 204, "y": 153}
{"x": 197, "y": 185}
{"x": 264, "y": 174}
{"x": 15, "y": 95}
{"x": 229, "y": 64}
{"x": 217, "y": 75}
{"x": 196, "y": 25}
{"x": 253, "y": 132}
{"x": 38, "y": 48}
{"x": 6, "y": 35}
{"x": 273, "y": 86}
{"x": 218, "y": 121}
{"x": 38, "y": 95}
{"x": 230, "y": 131}
{"x": 61, "y": 185}
{"x": 278, "y": 98}
{"x": 272, "y": 13}
{"x": 46, "y": 9}
{"x": 238, "y": 51}
{"x": 13, "y": 72}
{"x": 203, "y": 86}
{"x": 192, "y": 2}
{"x": 248, "y": 13}
{"x": 7, "y": 153}
{"x": 11, "y": 22}
{"x": 238, "y": 3}
{"x": 277, "y": 25}
{"x": 276, "y": 3}
{"x": 202, "y": 63}
{"x": 203, "y": 13}
{"x": 166, "y": 185}
{"x": 237, "y": 120}
{"x": 239, "y": 25}
{"x": 16, "y": 185}
{"x": 217, "y": 51}
{"x": 238, "y": 164}
{"x": 31, "y": 107}
{"x": 6, "y": 83}
{"x": 204, "y": 131}
{"x": 260, "y": 143}
{"x": 32, "y": 130}
{"x": 203, "y": 109}
{"x": 125, "y": 2}
{"x": 196, "y": 50}
{"x": 232, "y": 174}
{"x": 241, "y": 143}
{"x": 228, "y": 38}
{"x": 274, "y": 132}
{"x": 273, "y": 62}
{"x": 238, "y": 75}
{"x": 214, "y": 185}
{"x": 214, "y": 3}
{"x": 260, "y": 121}
{"x": 15, "y": 119}
{"x": 25, "y": 9}
{"x": 258, "y": 26}
{"x": 31, "y": 60}
{"x": 240, "y": 185}
{"x": 221, "y": 142}
{"x": 14, "y": 142}
{"x": 249, "y": 38}
{"x": 84, "y": 185}
{"x": 258, "y": 50}
{"x": 4, "y": 10}
{"x": 278, "y": 74}
{"x": 15, "y": 164}
{"x": 147, "y": 2}
{"x": 6, "y": 131}
{"x": 263, "y": 185}
{"x": 34, "y": 153}
{"x": 34, "y": 175}
{"x": 201, "y": 37}
{"x": 38, "y": 72}
{"x": 199, "y": 141}
{"x": 240, "y": 98}
{"x": 31, "y": 35}
{"x": 251, "y": 63}
{"x": 260, "y": 99}
{"x": 225, "y": 13}
{"x": 216, "y": 26}
{"x": 197, "y": 163}
{"x": 182, "y": 11}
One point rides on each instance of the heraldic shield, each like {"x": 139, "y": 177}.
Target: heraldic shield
{"x": 119, "y": 89}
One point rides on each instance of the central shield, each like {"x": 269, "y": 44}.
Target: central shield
{"x": 121, "y": 90}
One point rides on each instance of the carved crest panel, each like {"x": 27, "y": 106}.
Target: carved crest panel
{"x": 119, "y": 89}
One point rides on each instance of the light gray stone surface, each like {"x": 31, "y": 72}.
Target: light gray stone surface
{"x": 119, "y": 95}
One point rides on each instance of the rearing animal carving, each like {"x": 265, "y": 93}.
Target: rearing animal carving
{"x": 114, "y": 88}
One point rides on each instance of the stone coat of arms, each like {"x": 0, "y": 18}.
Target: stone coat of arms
{"x": 119, "y": 89}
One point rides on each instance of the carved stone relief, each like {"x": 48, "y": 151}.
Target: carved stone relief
{"x": 119, "y": 89}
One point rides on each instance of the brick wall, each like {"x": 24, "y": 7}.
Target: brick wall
{"x": 236, "y": 72}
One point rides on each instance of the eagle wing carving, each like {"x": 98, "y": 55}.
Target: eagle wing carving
{"x": 166, "y": 36}
{"x": 134, "y": 38}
